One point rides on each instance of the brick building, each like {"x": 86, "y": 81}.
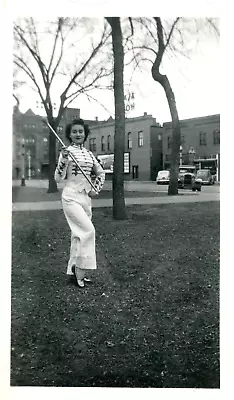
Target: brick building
{"x": 29, "y": 128}
{"x": 16, "y": 144}
{"x": 147, "y": 144}
{"x": 200, "y": 141}
{"x": 143, "y": 143}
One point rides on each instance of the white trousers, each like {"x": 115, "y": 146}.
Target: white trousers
{"x": 78, "y": 212}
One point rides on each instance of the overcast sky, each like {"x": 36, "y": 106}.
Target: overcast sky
{"x": 194, "y": 82}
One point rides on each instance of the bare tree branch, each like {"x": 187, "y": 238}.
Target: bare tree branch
{"x": 213, "y": 25}
{"x": 17, "y": 99}
{"x": 22, "y": 65}
{"x": 171, "y": 31}
{"x": 27, "y": 39}
{"x": 59, "y": 28}
{"x": 97, "y": 101}
{"x": 161, "y": 44}
{"x": 147, "y": 27}
{"x": 86, "y": 63}
{"x": 146, "y": 48}
{"x": 36, "y": 56}
{"x": 91, "y": 84}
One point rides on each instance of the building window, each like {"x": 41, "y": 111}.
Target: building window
{"x": 169, "y": 142}
{"x": 140, "y": 139}
{"x": 130, "y": 140}
{"x": 45, "y": 149}
{"x": 167, "y": 157}
{"x": 92, "y": 144}
{"x": 216, "y": 136}
{"x": 18, "y": 146}
{"x": 45, "y": 128}
{"x": 30, "y": 140}
{"x": 102, "y": 143}
{"x": 202, "y": 138}
{"x": 108, "y": 142}
{"x": 159, "y": 137}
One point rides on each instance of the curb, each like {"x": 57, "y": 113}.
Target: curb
{"x": 99, "y": 203}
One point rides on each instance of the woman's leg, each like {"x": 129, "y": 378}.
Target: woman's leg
{"x": 82, "y": 252}
{"x": 74, "y": 250}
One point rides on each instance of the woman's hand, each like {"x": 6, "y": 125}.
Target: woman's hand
{"x": 65, "y": 152}
{"x": 92, "y": 193}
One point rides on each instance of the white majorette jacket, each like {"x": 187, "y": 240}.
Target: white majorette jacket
{"x": 66, "y": 168}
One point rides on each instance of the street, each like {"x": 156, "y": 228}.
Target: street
{"x": 148, "y": 186}
{"x": 208, "y": 193}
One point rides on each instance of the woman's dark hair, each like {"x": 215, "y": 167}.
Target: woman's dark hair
{"x": 78, "y": 121}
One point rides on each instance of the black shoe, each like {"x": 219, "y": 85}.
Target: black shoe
{"x": 80, "y": 283}
{"x": 87, "y": 280}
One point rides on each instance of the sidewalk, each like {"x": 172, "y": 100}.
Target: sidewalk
{"x": 56, "y": 205}
{"x": 128, "y": 185}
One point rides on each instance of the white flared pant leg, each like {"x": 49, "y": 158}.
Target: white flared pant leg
{"x": 78, "y": 214}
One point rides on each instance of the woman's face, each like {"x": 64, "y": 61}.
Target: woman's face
{"x": 77, "y": 134}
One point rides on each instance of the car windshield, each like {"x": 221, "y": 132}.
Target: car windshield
{"x": 202, "y": 173}
{"x": 163, "y": 173}
{"x": 190, "y": 170}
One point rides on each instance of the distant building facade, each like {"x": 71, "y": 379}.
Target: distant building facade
{"x": 16, "y": 144}
{"x": 200, "y": 142}
{"x": 29, "y": 129}
{"x": 143, "y": 144}
{"x": 147, "y": 144}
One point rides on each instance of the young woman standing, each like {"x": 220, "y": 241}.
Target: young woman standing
{"x": 76, "y": 199}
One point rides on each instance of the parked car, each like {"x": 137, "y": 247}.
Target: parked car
{"x": 187, "y": 178}
{"x": 163, "y": 177}
{"x": 206, "y": 177}
{"x": 187, "y": 168}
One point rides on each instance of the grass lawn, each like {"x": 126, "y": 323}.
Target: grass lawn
{"x": 151, "y": 317}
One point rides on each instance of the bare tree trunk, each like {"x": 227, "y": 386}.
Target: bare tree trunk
{"x": 175, "y": 150}
{"x": 52, "y": 188}
{"x": 119, "y": 210}
{"x": 164, "y": 82}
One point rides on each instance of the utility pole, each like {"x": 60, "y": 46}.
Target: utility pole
{"x": 181, "y": 156}
{"x": 23, "y": 163}
{"x": 191, "y": 155}
{"x": 29, "y": 165}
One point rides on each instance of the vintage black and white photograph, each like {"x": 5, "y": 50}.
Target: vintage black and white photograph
{"x": 115, "y": 275}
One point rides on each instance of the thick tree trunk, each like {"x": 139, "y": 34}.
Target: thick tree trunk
{"x": 119, "y": 210}
{"x": 52, "y": 188}
{"x": 176, "y": 137}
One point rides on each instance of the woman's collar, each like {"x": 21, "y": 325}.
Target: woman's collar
{"x": 78, "y": 146}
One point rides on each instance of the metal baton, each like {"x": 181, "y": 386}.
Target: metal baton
{"x": 70, "y": 153}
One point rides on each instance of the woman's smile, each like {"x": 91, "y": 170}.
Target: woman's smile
{"x": 77, "y": 134}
